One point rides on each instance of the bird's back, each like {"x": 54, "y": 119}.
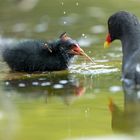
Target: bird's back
{"x": 31, "y": 55}
{"x": 17, "y": 55}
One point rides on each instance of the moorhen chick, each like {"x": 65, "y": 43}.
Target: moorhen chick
{"x": 125, "y": 27}
{"x": 37, "y": 55}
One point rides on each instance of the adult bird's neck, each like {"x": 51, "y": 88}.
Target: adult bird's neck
{"x": 130, "y": 44}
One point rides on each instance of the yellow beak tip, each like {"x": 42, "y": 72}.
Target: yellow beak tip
{"x": 106, "y": 44}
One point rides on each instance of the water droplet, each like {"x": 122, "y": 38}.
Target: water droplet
{"x": 77, "y": 4}
{"x": 86, "y": 112}
{"x": 83, "y": 35}
{"x": 21, "y": 85}
{"x": 65, "y": 22}
{"x": 70, "y": 19}
{"x": 7, "y": 83}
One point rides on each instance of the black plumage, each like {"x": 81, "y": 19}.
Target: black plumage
{"x": 37, "y": 55}
{"x": 126, "y": 27}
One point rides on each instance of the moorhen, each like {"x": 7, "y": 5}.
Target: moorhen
{"x": 37, "y": 55}
{"x": 126, "y": 27}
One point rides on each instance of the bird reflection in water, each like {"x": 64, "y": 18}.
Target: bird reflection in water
{"x": 61, "y": 85}
{"x": 128, "y": 119}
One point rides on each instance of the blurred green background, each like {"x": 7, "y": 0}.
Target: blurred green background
{"x": 68, "y": 104}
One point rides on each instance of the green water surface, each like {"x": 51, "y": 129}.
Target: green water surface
{"x": 69, "y": 104}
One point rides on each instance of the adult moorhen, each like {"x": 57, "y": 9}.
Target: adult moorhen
{"x": 37, "y": 55}
{"x": 126, "y": 27}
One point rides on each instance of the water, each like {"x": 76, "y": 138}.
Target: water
{"x": 85, "y": 102}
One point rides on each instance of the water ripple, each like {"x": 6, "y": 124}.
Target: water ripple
{"x": 92, "y": 69}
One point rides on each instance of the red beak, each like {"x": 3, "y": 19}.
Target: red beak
{"x": 107, "y": 42}
{"x": 76, "y": 50}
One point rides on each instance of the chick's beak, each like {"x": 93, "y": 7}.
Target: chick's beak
{"x": 107, "y": 42}
{"x": 76, "y": 50}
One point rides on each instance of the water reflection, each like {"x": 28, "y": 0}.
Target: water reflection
{"x": 9, "y": 118}
{"x": 127, "y": 120}
{"x": 62, "y": 85}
